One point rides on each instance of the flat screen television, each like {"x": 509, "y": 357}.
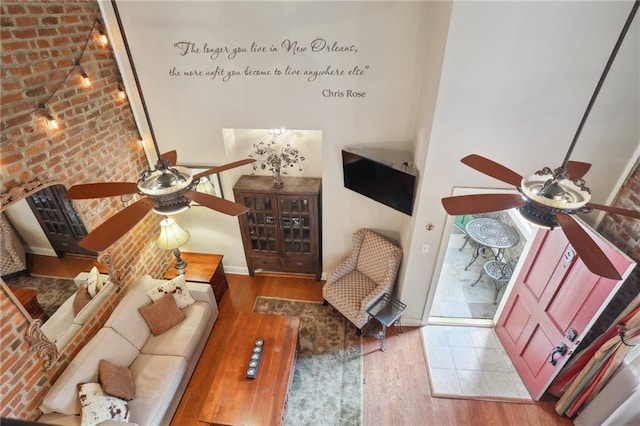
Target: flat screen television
{"x": 377, "y": 174}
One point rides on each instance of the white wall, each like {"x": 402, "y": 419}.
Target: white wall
{"x": 26, "y": 225}
{"x": 515, "y": 79}
{"x": 190, "y": 113}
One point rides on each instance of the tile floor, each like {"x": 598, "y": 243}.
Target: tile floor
{"x": 470, "y": 362}
{"x": 455, "y": 297}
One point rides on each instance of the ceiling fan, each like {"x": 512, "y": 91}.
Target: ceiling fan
{"x": 550, "y": 198}
{"x": 166, "y": 189}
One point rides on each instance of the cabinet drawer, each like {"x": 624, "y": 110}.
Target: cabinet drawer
{"x": 265, "y": 263}
{"x": 300, "y": 265}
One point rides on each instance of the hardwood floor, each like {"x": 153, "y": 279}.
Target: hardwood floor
{"x": 396, "y": 389}
{"x": 63, "y": 267}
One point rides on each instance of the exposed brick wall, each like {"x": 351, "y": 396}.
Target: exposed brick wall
{"x": 624, "y": 233}
{"x": 97, "y": 140}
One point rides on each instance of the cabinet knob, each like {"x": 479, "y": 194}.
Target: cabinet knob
{"x": 300, "y": 264}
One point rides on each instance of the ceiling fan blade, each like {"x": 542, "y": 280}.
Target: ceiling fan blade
{"x": 216, "y": 203}
{"x": 624, "y": 212}
{"x": 224, "y": 167}
{"x": 577, "y": 169}
{"x": 481, "y": 203}
{"x": 117, "y": 225}
{"x": 493, "y": 169}
{"x": 171, "y": 157}
{"x": 100, "y": 190}
{"x": 590, "y": 253}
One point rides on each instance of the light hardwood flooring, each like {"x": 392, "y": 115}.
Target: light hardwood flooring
{"x": 396, "y": 389}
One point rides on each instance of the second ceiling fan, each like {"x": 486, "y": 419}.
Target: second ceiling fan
{"x": 550, "y": 198}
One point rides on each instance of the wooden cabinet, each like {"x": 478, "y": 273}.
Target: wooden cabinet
{"x": 281, "y": 231}
{"x": 203, "y": 268}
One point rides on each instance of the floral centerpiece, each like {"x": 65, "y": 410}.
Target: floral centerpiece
{"x": 276, "y": 158}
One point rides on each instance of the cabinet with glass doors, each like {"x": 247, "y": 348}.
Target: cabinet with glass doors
{"x": 281, "y": 230}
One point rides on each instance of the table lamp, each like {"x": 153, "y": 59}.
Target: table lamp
{"x": 172, "y": 236}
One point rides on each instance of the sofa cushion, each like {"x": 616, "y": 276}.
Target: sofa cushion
{"x": 116, "y": 380}
{"x": 97, "y": 407}
{"x": 157, "y": 378}
{"x": 106, "y": 344}
{"x": 125, "y": 318}
{"x": 80, "y": 299}
{"x": 162, "y": 315}
{"x": 182, "y": 339}
{"x": 177, "y": 287}
{"x": 94, "y": 282}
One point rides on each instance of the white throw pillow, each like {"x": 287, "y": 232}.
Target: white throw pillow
{"x": 177, "y": 287}
{"x": 94, "y": 282}
{"x": 97, "y": 407}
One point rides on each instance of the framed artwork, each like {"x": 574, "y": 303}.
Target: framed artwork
{"x": 213, "y": 179}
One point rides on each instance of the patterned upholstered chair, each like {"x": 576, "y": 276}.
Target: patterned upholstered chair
{"x": 363, "y": 277}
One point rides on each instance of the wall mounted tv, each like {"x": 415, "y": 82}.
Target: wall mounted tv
{"x": 383, "y": 175}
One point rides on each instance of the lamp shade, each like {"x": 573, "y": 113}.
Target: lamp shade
{"x": 171, "y": 235}
{"x": 205, "y": 186}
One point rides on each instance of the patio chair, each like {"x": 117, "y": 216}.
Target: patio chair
{"x": 500, "y": 272}
{"x": 369, "y": 272}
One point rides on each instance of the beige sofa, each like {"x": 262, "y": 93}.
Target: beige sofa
{"x": 161, "y": 365}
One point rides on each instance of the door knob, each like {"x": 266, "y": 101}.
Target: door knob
{"x": 560, "y": 349}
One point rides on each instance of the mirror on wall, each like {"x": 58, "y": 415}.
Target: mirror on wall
{"x": 36, "y": 219}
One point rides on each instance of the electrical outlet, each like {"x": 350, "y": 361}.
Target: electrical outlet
{"x": 425, "y": 248}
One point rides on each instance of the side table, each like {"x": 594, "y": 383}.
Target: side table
{"x": 203, "y": 268}
{"x": 387, "y": 310}
{"x": 28, "y": 299}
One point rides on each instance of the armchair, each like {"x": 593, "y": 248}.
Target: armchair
{"x": 364, "y": 276}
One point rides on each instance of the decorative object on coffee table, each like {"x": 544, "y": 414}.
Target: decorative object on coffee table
{"x": 254, "y": 359}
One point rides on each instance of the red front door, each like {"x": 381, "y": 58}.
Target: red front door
{"x": 554, "y": 296}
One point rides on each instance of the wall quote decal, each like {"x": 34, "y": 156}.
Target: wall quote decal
{"x": 223, "y": 62}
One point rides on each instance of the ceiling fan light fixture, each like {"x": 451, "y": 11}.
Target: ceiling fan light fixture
{"x": 561, "y": 194}
{"x": 547, "y": 194}
{"x": 164, "y": 182}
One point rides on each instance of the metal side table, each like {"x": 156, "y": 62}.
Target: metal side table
{"x": 387, "y": 310}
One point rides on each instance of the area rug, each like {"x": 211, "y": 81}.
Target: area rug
{"x": 327, "y": 382}
{"x": 52, "y": 292}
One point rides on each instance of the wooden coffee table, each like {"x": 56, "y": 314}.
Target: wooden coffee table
{"x": 235, "y": 400}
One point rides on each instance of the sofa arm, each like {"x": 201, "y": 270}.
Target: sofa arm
{"x": 87, "y": 312}
{"x": 201, "y": 292}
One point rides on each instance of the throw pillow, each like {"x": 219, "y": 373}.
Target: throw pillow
{"x": 116, "y": 380}
{"x": 177, "y": 287}
{"x": 81, "y": 299}
{"x": 162, "y": 315}
{"x": 96, "y": 407}
{"x": 94, "y": 282}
